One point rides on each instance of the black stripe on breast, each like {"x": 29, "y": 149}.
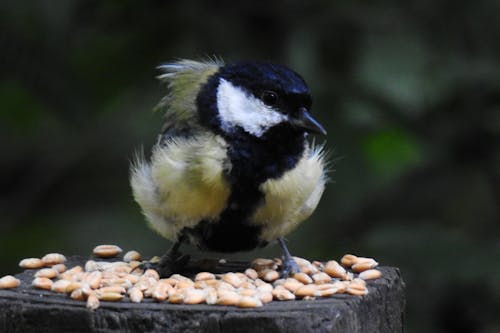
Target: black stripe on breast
{"x": 253, "y": 161}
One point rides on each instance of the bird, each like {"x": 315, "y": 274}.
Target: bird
{"x": 232, "y": 169}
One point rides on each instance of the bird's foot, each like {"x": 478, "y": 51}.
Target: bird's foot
{"x": 289, "y": 267}
{"x": 167, "y": 265}
{"x": 172, "y": 263}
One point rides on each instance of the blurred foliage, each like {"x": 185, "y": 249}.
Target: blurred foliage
{"x": 409, "y": 93}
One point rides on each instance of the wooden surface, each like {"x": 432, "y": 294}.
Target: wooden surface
{"x": 25, "y": 309}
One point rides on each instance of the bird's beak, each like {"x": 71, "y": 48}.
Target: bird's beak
{"x": 305, "y": 121}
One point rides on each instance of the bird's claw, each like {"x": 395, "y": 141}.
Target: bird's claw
{"x": 171, "y": 264}
{"x": 289, "y": 267}
{"x": 167, "y": 265}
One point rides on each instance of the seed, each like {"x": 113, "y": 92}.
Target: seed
{"x": 184, "y": 284}
{"x": 176, "y": 298}
{"x": 145, "y": 283}
{"x": 135, "y": 295}
{"x": 265, "y": 297}
{"x": 59, "y": 268}
{"x": 8, "y": 282}
{"x": 226, "y": 297}
{"x": 307, "y": 290}
{"x": 42, "y": 283}
{"x": 68, "y": 275}
{"x": 133, "y": 279}
{"x": 357, "y": 283}
{"x": 179, "y": 277}
{"x": 107, "y": 251}
{"x": 321, "y": 277}
{"x": 328, "y": 292}
{"x": 261, "y": 263}
{"x": 364, "y": 265}
{"x": 247, "y": 292}
{"x": 91, "y": 266}
{"x": 283, "y": 294}
{"x": 251, "y": 273}
{"x": 94, "y": 279}
{"x": 356, "y": 291}
{"x": 265, "y": 288}
{"x": 270, "y": 275}
{"x": 194, "y": 296}
{"x": 305, "y": 265}
{"x": 318, "y": 264}
{"x": 340, "y": 286}
{"x": 303, "y": 277}
{"x": 112, "y": 289}
{"x": 31, "y": 263}
{"x": 131, "y": 256}
{"x": 92, "y": 302}
{"x": 160, "y": 290}
{"x": 248, "y": 302}
{"x": 202, "y": 276}
{"x": 59, "y": 286}
{"x": 134, "y": 265}
{"x": 86, "y": 290}
{"x": 292, "y": 284}
{"x": 309, "y": 269}
{"x": 52, "y": 259}
{"x": 348, "y": 260}
{"x": 211, "y": 297}
{"x": 301, "y": 261}
{"x": 232, "y": 279}
{"x": 77, "y": 295}
{"x": 73, "y": 286}
{"x": 152, "y": 273}
{"x": 110, "y": 296}
{"x": 247, "y": 285}
{"x": 334, "y": 269}
{"x": 370, "y": 274}
{"x": 48, "y": 273}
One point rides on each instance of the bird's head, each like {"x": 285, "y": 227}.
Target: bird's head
{"x": 252, "y": 98}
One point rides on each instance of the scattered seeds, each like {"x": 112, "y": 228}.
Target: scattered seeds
{"x": 113, "y": 280}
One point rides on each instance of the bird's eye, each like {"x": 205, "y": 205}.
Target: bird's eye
{"x": 270, "y": 98}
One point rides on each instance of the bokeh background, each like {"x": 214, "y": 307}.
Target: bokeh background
{"x": 409, "y": 92}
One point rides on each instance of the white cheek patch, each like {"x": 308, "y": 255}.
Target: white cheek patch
{"x": 238, "y": 108}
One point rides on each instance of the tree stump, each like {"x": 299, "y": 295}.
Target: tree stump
{"x": 26, "y": 309}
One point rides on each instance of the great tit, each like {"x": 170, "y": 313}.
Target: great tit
{"x": 232, "y": 169}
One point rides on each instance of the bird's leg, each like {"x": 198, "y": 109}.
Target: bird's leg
{"x": 171, "y": 262}
{"x": 290, "y": 267}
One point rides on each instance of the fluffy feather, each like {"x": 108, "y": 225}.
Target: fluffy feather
{"x": 184, "y": 79}
{"x": 183, "y": 184}
{"x": 292, "y": 198}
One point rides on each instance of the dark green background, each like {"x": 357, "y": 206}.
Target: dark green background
{"x": 409, "y": 92}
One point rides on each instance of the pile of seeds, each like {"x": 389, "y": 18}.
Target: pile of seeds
{"x": 260, "y": 284}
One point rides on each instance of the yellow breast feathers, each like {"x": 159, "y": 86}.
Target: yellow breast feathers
{"x": 292, "y": 198}
{"x": 183, "y": 184}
